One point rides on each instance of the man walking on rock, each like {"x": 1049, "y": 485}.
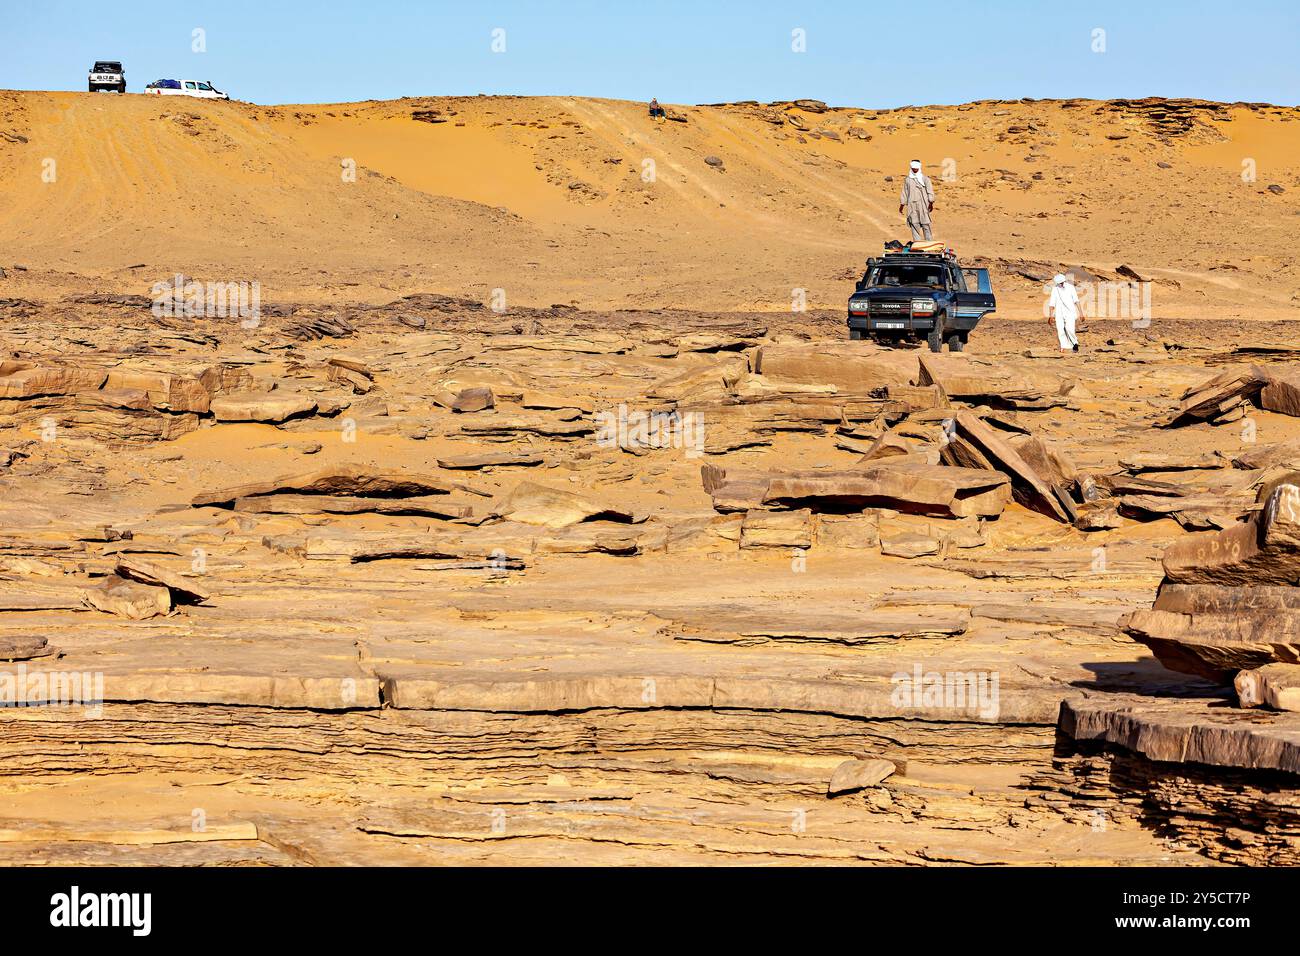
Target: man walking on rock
{"x": 917, "y": 201}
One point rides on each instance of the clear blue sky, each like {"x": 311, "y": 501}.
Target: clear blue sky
{"x": 858, "y": 53}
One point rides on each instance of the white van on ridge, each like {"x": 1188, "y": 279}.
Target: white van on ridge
{"x": 203, "y": 89}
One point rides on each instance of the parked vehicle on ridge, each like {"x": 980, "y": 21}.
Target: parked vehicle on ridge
{"x": 203, "y": 89}
{"x": 107, "y": 76}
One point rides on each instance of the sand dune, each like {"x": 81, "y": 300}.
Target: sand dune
{"x": 548, "y": 198}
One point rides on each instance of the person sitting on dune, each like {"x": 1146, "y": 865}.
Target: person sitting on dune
{"x": 657, "y": 111}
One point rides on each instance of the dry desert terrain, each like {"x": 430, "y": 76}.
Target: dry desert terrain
{"x": 534, "y": 520}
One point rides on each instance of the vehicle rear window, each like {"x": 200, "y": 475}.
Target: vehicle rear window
{"x": 103, "y": 67}
{"x": 900, "y": 274}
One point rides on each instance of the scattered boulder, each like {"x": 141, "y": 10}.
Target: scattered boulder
{"x": 474, "y": 399}
{"x": 25, "y": 647}
{"x": 975, "y": 444}
{"x": 1264, "y": 550}
{"x": 1098, "y": 516}
{"x": 354, "y": 374}
{"x": 1274, "y": 685}
{"x": 183, "y": 590}
{"x": 1229, "y": 600}
{"x": 534, "y": 504}
{"x": 1218, "y": 400}
{"x": 1281, "y": 394}
{"x": 909, "y": 544}
{"x": 129, "y": 599}
{"x": 854, "y": 775}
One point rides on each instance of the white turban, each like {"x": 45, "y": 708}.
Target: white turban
{"x": 1058, "y": 278}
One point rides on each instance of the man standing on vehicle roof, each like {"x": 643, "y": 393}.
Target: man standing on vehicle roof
{"x": 918, "y": 201}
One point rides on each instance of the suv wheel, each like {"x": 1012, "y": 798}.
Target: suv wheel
{"x": 856, "y": 334}
{"x": 935, "y": 338}
{"x": 956, "y": 341}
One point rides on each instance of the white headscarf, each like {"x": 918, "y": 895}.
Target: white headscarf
{"x": 916, "y": 170}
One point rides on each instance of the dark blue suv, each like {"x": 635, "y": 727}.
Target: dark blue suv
{"x": 906, "y": 295}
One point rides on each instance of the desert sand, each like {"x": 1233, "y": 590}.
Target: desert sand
{"x": 546, "y": 198}
{"x": 384, "y": 575}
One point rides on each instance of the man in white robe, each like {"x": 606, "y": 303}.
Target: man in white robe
{"x": 1064, "y": 305}
{"x": 917, "y": 201}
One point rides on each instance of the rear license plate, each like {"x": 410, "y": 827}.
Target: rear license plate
{"x": 891, "y": 325}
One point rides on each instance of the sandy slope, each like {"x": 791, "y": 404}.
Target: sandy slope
{"x": 547, "y": 199}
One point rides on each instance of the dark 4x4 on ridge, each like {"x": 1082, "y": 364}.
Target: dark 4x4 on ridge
{"x": 906, "y": 295}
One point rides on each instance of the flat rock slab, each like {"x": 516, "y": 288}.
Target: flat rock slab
{"x": 431, "y": 506}
{"x": 1157, "y": 461}
{"x": 1206, "y": 731}
{"x": 959, "y": 376}
{"x": 777, "y": 529}
{"x": 909, "y": 544}
{"x": 501, "y": 459}
{"x": 1216, "y": 646}
{"x": 34, "y": 381}
{"x": 512, "y": 426}
{"x": 335, "y": 480}
{"x": 269, "y": 408}
{"x": 930, "y": 489}
{"x": 844, "y": 366}
{"x": 725, "y": 625}
{"x": 1084, "y": 616}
